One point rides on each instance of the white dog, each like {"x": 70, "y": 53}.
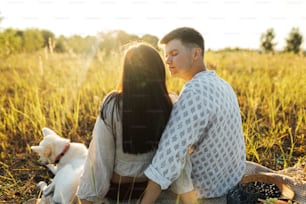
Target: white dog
{"x": 66, "y": 161}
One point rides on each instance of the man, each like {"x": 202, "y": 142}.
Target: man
{"x": 205, "y": 122}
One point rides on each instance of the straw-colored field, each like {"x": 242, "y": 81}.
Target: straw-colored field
{"x": 64, "y": 92}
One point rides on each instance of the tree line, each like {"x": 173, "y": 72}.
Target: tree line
{"x": 14, "y": 41}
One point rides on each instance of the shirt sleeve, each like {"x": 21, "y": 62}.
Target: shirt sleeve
{"x": 98, "y": 169}
{"x": 188, "y": 118}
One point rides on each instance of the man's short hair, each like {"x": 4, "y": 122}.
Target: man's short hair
{"x": 185, "y": 35}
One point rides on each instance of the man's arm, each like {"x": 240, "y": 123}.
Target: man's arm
{"x": 151, "y": 193}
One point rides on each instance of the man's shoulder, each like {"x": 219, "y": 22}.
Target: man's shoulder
{"x": 197, "y": 84}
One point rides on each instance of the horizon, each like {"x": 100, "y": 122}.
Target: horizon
{"x": 223, "y": 23}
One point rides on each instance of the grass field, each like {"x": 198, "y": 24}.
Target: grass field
{"x": 64, "y": 92}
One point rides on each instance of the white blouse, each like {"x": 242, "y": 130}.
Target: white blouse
{"x": 106, "y": 156}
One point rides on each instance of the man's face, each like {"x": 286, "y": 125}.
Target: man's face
{"x": 178, "y": 58}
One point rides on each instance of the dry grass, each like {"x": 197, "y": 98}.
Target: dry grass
{"x": 64, "y": 92}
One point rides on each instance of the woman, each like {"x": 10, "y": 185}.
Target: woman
{"x": 128, "y": 129}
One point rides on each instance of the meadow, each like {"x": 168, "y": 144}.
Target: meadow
{"x": 64, "y": 92}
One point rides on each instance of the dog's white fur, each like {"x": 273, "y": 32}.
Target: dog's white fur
{"x": 67, "y": 171}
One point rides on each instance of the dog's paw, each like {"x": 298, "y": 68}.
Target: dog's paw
{"x": 48, "y": 190}
{"x": 42, "y": 185}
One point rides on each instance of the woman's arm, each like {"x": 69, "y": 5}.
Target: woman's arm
{"x": 98, "y": 169}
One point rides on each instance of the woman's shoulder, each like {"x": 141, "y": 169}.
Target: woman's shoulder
{"x": 111, "y": 97}
{"x": 110, "y": 101}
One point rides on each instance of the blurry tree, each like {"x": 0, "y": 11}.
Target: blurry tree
{"x": 151, "y": 39}
{"x": 90, "y": 43}
{"x": 49, "y": 39}
{"x": 61, "y": 44}
{"x": 10, "y": 42}
{"x": 125, "y": 38}
{"x": 75, "y": 44}
{"x": 108, "y": 41}
{"x": 32, "y": 40}
{"x": 294, "y": 41}
{"x": 79, "y": 44}
{"x": 1, "y": 18}
{"x": 113, "y": 41}
{"x": 266, "y": 40}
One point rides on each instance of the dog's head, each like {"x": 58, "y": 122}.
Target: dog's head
{"x": 50, "y": 146}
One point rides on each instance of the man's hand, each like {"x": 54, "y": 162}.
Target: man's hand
{"x": 189, "y": 198}
{"x": 151, "y": 193}
{"x": 85, "y": 201}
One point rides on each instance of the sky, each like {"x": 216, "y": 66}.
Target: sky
{"x": 223, "y": 23}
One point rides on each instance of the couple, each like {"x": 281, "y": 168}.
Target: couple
{"x": 143, "y": 143}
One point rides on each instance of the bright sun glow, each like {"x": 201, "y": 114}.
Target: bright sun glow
{"x": 224, "y": 23}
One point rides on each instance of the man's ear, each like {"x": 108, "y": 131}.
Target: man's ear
{"x": 197, "y": 53}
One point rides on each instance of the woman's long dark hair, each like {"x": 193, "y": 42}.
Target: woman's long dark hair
{"x": 146, "y": 102}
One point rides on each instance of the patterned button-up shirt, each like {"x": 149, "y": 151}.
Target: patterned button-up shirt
{"x": 206, "y": 119}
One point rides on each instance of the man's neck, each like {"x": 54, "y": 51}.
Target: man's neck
{"x": 195, "y": 71}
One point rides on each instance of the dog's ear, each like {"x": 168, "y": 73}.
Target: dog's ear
{"x": 47, "y": 131}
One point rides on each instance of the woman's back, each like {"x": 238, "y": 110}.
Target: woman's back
{"x": 128, "y": 129}
{"x": 126, "y": 164}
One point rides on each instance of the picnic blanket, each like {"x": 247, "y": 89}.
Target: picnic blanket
{"x": 295, "y": 177}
